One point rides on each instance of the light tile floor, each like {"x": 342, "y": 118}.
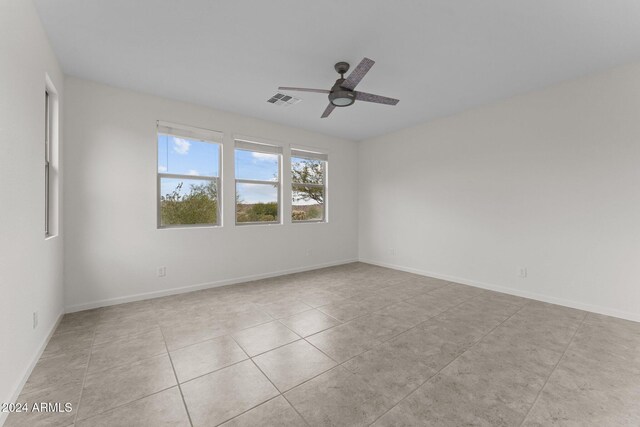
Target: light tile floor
{"x": 343, "y": 346}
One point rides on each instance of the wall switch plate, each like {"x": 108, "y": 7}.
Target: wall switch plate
{"x": 162, "y": 271}
{"x": 35, "y": 319}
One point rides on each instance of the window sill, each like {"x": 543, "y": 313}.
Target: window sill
{"x": 245, "y": 224}
{"x": 188, "y": 227}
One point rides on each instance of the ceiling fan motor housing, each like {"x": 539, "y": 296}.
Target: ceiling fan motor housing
{"x": 341, "y": 97}
{"x": 341, "y": 67}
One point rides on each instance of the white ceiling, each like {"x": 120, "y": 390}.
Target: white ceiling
{"x": 437, "y": 56}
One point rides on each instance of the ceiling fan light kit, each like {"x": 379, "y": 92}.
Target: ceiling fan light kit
{"x": 342, "y": 98}
{"x": 342, "y": 94}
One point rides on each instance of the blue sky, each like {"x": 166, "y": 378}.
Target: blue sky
{"x": 189, "y": 157}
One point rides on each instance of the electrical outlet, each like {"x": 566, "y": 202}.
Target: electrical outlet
{"x": 162, "y": 271}
{"x": 309, "y": 252}
{"x": 35, "y": 319}
{"x": 522, "y": 272}
{"x": 392, "y": 251}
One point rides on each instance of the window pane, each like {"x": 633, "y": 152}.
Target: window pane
{"x": 307, "y": 171}
{"x": 256, "y": 166}
{"x": 307, "y": 203}
{"x": 184, "y": 156}
{"x": 188, "y": 201}
{"x": 256, "y": 202}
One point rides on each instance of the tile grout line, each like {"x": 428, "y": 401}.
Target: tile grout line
{"x": 134, "y": 400}
{"x": 215, "y": 370}
{"x": 296, "y": 409}
{"x": 218, "y": 336}
{"x": 290, "y": 315}
{"x": 279, "y": 392}
{"x": 84, "y": 378}
{"x": 274, "y": 386}
{"x": 311, "y": 344}
{"x": 376, "y": 294}
{"x": 554, "y": 368}
{"x": 123, "y": 404}
{"x": 262, "y": 352}
{"x": 250, "y": 409}
{"x": 381, "y": 342}
{"x": 128, "y": 338}
{"x": 175, "y": 375}
{"x": 450, "y": 362}
{"x": 231, "y": 364}
{"x": 372, "y": 312}
{"x": 407, "y": 330}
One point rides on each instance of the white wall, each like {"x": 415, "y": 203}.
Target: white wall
{"x": 30, "y": 266}
{"x": 549, "y": 181}
{"x": 113, "y": 248}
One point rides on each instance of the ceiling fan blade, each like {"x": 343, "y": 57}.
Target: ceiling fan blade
{"x": 378, "y": 99}
{"x": 358, "y": 73}
{"x": 304, "y": 89}
{"x": 328, "y": 111}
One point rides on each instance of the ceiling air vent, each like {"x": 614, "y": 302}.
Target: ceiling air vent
{"x": 284, "y": 100}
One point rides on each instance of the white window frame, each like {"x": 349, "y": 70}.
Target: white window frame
{"x": 259, "y": 147}
{"x": 194, "y": 134}
{"x": 303, "y": 153}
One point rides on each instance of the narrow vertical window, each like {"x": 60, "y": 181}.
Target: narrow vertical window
{"x": 47, "y": 163}
{"x": 51, "y": 160}
{"x": 308, "y": 186}
{"x": 257, "y": 183}
{"x": 189, "y": 184}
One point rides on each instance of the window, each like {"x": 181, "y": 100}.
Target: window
{"x": 257, "y": 183}
{"x": 51, "y": 159}
{"x": 308, "y": 186}
{"x": 188, "y": 176}
{"x": 47, "y": 162}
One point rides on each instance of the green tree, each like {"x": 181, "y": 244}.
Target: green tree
{"x": 307, "y": 171}
{"x": 199, "y": 206}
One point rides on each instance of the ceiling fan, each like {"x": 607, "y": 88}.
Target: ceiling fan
{"x": 342, "y": 94}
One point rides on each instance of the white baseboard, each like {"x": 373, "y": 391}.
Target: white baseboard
{"x": 29, "y": 370}
{"x": 607, "y": 311}
{"x": 197, "y": 287}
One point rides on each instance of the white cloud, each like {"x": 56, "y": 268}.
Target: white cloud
{"x": 162, "y": 168}
{"x": 181, "y": 146}
{"x": 262, "y": 157}
{"x": 193, "y": 172}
